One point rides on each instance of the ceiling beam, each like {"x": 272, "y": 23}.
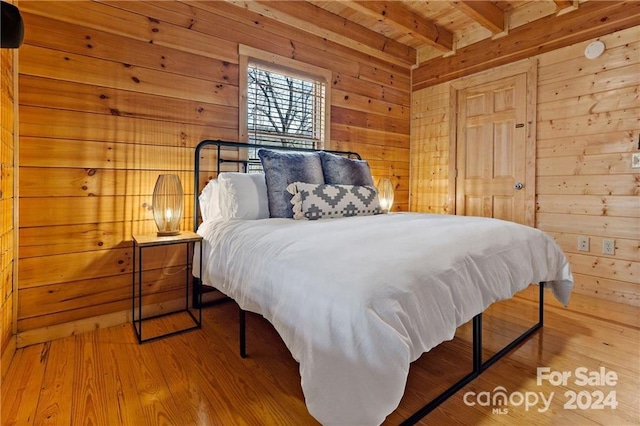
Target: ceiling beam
{"x": 394, "y": 14}
{"x": 485, "y": 13}
{"x": 593, "y": 19}
{"x": 563, "y": 4}
{"x": 319, "y": 22}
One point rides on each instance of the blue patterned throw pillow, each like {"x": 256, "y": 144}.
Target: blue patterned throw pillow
{"x": 339, "y": 170}
{"x": 323, "y": 201}
{"x": 284, "y": 168}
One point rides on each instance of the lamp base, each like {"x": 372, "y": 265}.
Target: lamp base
{"x": 167, "y": 233}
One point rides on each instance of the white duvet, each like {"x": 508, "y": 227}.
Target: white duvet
{"x": 356, "y": 300}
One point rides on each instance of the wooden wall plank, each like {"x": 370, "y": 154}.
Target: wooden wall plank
{"x": 43, "y": 62}
{"x": 358, "y": 102}
{"x": 72, "y": 267}
{"x": 595, "y": 103}
{"x": 366, "y": 120}
{"x": 366, "y": 137}
{"x": 588, "y": 185}
{"x": 346, "y": 82}
{"x": 587, "y": 145}
{"x": 136, "y": 27}
{"x": 86, "y": 318}
{"x": 614, "y": 121}
{"x": 616, "y": 55}
{"x": 608, "y": 289}
{"x": 79, "y": 238}
{"x": 626, "y": 249}
{"x": 8, "y": 168}
{"x": 60, "y": 297}
{"x": 597, "y": 164}
{"x": 43, "y": 212}
{"x": 42, "y": 92}
{"x": 58, "y": 35}
{"x": 593, "y": 205}
{"x": 601, "y": 81}
{"x": 99, "y": 127}
{"x": 602, "y": 226}
{"x": 69, "y": 182}
{"x": 596, "y": 266}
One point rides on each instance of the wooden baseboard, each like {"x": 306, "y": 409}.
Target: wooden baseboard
{"x": 45, "y": 334}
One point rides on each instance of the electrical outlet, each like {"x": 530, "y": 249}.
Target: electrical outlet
{"x": 635, "y": 160}
{"x": 583, "y": 243}
{"x": 608, "y": 246}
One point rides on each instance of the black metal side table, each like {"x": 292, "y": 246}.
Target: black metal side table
{"x": 194, "y": 312}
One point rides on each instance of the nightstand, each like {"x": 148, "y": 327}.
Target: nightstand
{"x": 186, "y": 317}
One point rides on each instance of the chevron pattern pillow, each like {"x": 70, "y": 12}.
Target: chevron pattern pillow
{"x": 324, "y": 201}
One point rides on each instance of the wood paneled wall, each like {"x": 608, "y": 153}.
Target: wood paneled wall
{"x": 113, "y": 94}
{"x": 588, "y": 114}
{"x": 7, "y": 199}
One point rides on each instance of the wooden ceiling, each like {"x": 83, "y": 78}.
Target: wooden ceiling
{"x": 410, "y": 33}
{"x": 435, "y": 28}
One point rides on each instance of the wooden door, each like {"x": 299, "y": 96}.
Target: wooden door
{"x": 491, "y": 150}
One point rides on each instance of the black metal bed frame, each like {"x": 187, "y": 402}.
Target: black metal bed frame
{"x": 478, "y": 367}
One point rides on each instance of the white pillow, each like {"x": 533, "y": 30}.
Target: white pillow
{"x": 208, "y": 200}
{"x": 243, "y": 196}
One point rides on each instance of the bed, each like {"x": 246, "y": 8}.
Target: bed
{"x": 356, "y": 299}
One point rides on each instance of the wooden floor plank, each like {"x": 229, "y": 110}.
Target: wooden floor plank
{"x": 121, "y": 388}
{"x": 89, "y": 399}
{"x": 21, "y": 387}
{"x": 153, "y": 388}
{"x": 206, "y": 376}
{"x": 54, "y": 404}
{"x": 194, "y": 405}
{"x": 198, "y": 378}
{"x": 219, "y": 367}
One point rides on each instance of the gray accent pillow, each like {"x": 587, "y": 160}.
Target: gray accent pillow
{"x": 283, "y": 168}
{"x": 339, "y": 170}
{"x": 311, "y": 201}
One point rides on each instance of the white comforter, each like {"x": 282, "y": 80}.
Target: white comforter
{"x": 357, "y": 299}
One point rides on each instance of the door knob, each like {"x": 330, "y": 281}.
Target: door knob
{"x": 518, "y": 186}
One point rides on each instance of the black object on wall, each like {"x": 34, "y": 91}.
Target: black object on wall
{"x": 11, "y": 26}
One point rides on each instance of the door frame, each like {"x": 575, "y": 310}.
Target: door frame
{"x": 530, "y": 68}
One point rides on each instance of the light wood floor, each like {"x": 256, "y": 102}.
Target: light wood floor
{"x": 197, "y": 378}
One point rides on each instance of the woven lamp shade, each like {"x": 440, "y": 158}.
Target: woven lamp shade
{"x": 168, "y": 204}
{"x": 385, "y": 194}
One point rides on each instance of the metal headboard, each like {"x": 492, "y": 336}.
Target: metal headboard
{"x": 219, "y": 144}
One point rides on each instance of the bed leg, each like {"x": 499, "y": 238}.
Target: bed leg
{"x": 541, "y": 305}
{"x": 243, "y": 343}
{"x": 477, "y": 343}
{"x": 196, "y": 297}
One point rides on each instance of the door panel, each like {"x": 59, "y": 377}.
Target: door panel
{"x": 491, "y": 139}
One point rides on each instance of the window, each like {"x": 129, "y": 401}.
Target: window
{"x": 285, "y": 102}
{"x": 284, "y": 109}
